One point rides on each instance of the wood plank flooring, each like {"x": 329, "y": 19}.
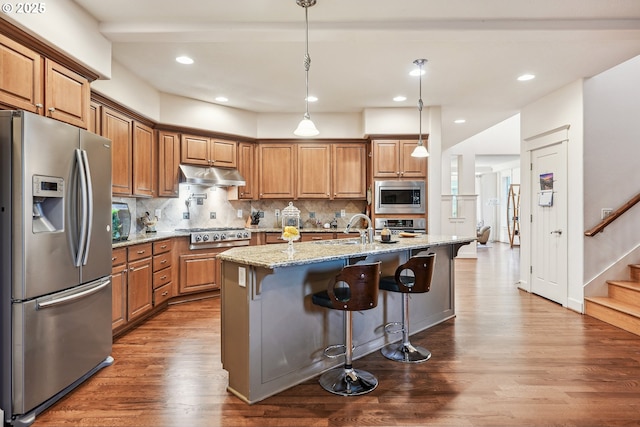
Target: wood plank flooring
{"x": 508, "y": 358}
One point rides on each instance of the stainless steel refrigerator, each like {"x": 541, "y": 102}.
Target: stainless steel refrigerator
{"x": 55, "y": 247}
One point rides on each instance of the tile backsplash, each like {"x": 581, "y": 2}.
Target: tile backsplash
{"x": 210, "y": 207}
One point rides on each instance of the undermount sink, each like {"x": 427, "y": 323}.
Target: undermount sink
{"x": 338, "y": 242}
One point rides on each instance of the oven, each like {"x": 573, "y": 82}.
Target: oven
{"x": 399, "y": 225}
{"x": 215, "y": 238}
{"x": 400, "y": 197}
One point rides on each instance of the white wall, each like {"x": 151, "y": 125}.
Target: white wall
{"x": 560, "y": 108}
{"x": 611, "y": 162}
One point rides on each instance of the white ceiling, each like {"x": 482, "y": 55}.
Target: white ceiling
{"x": 251, "y": 51}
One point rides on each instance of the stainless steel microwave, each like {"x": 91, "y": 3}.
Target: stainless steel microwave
{"x": 400, "y": 197}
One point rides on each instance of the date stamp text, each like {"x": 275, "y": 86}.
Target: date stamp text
{"x": 23, "y": 8}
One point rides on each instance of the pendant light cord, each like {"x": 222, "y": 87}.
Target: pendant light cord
{"x": 307, "y": 62}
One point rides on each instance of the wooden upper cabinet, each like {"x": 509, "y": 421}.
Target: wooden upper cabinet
{"x": 20, "y": 76}
{"x": 392, "y": 159}
{"x": 247, "y": 168}
{"x": 168, "y": 163}
{"x": 202, "y": 150}
{"x": 66, "y": 96}
{"x": 143, "y": 160}
{"x": 118, "y": 128}
{"x": 95, "y": 118}
{"x": 276, "y": 171}
{"x": 349, "y": 179}
{"x": 314, "y": 171}
{"x": 223, "y": 153}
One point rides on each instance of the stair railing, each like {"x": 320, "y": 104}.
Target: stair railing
{"x": 614, "y": 215}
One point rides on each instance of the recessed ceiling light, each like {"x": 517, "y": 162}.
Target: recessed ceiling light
{"x": 459, "y": 121}
{"x": 222, "y": 99}
{"x": 525, "y": 77}
{"x": 184, "y": 60}
{"x": 400, "y": 98}
{"x": 312, "y": 98}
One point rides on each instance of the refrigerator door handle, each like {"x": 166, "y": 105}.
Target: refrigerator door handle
{"x": 72, "y": 297}
{"x": 82, "y": 240}
{"x": 89, "y": 196}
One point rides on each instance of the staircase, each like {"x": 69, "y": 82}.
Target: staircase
{"x": 621, "y": 307}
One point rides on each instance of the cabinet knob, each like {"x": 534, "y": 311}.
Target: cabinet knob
{"x": 131, "y": 268}
{"x": 52, "y": 109}
{"x": 140, "y": 252}
{"x": 38, "y": 106}
{"x": 165, "y": 293}
{"x": 164, "y": 261}
{"x": 163, "y": 277}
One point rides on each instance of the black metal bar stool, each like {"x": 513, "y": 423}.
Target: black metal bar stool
{"x": 412, "y": 277}
{"x": 355, "y": 288}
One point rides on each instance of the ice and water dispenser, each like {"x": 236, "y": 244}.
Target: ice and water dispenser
{"x": 48, "y": 204}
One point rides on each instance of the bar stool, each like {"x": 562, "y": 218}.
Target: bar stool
{"x": 355, "y": 288}
{"x": 412, "y": 277}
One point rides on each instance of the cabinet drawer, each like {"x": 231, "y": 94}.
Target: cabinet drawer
{"x": 161, "y": 261}
{"x": 162, "y": 277}
{"x": 162, "y": 294}
{"x": 162, "y": 246}
{"x": 139, "y": 251}
{"x": 274, "y": 238}
{"x": 118, "y": 256}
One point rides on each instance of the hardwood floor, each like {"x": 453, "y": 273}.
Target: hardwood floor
{"x": 508, "y": 358}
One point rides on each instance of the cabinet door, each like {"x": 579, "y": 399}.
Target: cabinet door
{"x": 168, "y": 164}
{"x": 277, "y": 171}
{"x": 139, "y": 288}
{"x": 118, "y": 128}
{"x": 143, "y": 160}
{"x": 223, "y": 153}
{"x": 95, "y": 116}
{"x": 118, "y": 296}
{"x": 349, "y": 171}
{"x": 66, "y": 95}
{"x": 20, "y": 76}
{"x": 386, "y": 160}
{"x": 197, "y": 273}
{"x": 314, "y": 171}
{"x": 411, "y": 167}
{"x": 195, "y": 150}
{"x": 247, "y": 168}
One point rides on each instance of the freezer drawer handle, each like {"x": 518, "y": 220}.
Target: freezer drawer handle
{"x": 73, "y": 297}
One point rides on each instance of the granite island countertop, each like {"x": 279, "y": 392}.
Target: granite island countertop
{"x": 275, "y": 255}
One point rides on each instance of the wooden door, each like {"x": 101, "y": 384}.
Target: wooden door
{"x": 314, "y": 171}
{"x": 66, "y": 96}
{"x": 21, "y": 76}
{"x": 411, "y": 167}
{"x": 277, "y": 171}
{"x": 195, "y": 150}
{"x": 386, "y": 162}
{"x": 168, "y": 163}
{"x": 247, "y": 168}
{"x": 143, "y": 160}
{"x": 549, "y": 224}
{"x": 223, "y": 153}
{"x": 139, "y": 288}
{"x": 118, "y": 128}
{"x": 349, "y": 178}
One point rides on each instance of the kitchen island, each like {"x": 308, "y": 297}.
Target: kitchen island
{"x": 273, "y": 337}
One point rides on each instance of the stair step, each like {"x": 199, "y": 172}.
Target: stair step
{"x": 625, "y": 291}
{"x": 634, "y": 272}
{"x": 617, "y": 313}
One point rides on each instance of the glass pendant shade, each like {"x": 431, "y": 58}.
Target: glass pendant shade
{"x": 306, "y": 128}
{"x": 420, "y": 151}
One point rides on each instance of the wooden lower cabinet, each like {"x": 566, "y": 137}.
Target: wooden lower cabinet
{"x": 118, "y": 288}
{"x": 139, "y": 288}
{"x": 198, "y": 273}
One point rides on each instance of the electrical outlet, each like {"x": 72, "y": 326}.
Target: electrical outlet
{"x": 277, "y": 213}
{"x": 260, "y": 214}
{"x": 605, "y": 212}
{"x": 337, "y": 215}
{"x": 239, "y": 214}
{"x": 312, "y": 215}
{"x": 212, "y": 215}
{"x": 185, "y": 215}
{"x": 242, "y": 277}
{"x": 343, "y": 213}
{"x": 158, "y": 213}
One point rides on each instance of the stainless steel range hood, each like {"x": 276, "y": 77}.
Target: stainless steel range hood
{"x": 212, "y": 176}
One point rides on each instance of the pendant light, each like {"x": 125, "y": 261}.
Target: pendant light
{"x": 420, "y": 150}
{"x": 306, "y": 126}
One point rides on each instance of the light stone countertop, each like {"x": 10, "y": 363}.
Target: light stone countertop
{"x": 135, "y": 239}
{"x": 275, "y": 255}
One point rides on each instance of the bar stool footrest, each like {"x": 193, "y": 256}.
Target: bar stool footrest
{"x": 348, "y": 382}
{"x": 394, "y": 328}
{"x": 406, "y": 353}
